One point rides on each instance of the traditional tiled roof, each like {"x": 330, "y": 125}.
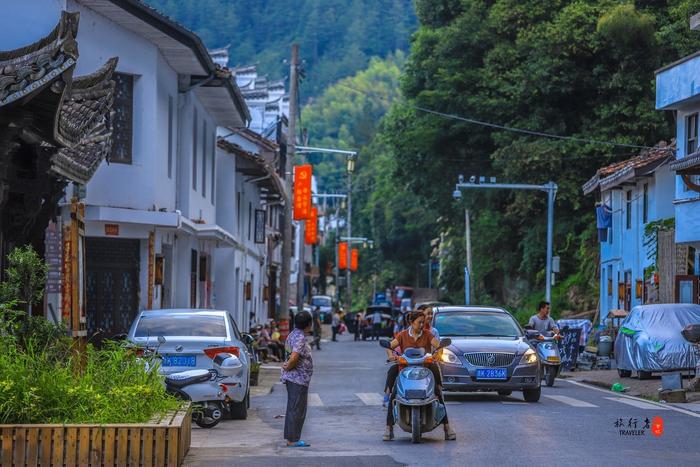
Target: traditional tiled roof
{"x": 257, "y": 166}
{"x": 619, "y": 172}
{"x": 688, "y": 165}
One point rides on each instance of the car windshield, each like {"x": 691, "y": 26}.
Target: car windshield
{"x": 181, "y": 324}
{"x": 321, "y": 301}
{"x": 476, "y": 325}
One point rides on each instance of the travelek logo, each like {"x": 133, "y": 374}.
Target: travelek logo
{"x": 637, "y": 427}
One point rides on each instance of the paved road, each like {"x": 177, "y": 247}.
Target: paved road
{"x": 571, "y": 425}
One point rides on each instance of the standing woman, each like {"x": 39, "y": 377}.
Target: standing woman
{"x": 296, "y": 375}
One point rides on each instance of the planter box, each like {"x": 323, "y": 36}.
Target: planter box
{"x": 160, "y": 442}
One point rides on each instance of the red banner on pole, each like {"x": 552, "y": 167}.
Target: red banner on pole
{"x": 342, "y": 255}
{"x": 302, "y": 191}
{"x": 311, "y": 232}
{"x": 354, "y": 256}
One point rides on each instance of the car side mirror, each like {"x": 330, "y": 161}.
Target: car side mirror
{"x": 531, "y": 334}
{"x": 445, "y": 342}
{"x": 161, "y": 340}
{"x": 247, "y": 339}
{"x": 386, "y": 343}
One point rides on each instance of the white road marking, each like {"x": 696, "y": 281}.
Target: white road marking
{"x": 370, "y": 398}
{"x": 314, "y": 400}
{"x": 636, "y": 403}
{"x": 656, "y": 404}
{"x": 570, "y": 401}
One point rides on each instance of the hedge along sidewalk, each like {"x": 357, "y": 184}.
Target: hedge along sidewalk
{"x": 162, "y": 441}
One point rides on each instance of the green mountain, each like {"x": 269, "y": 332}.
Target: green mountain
{"x": 337, "y": 37}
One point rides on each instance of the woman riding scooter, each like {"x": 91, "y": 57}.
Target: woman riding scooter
{"x": 413, "y": 337}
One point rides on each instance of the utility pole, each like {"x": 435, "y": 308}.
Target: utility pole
{"x": 287, "y": 228}
{"x": 468, "y": 246}
{"x": 347, "y": 271}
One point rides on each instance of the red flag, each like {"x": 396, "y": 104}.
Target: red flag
{"x": 302, "y": 191}
{"x": 311, "y": 232}
{"x": 354, "y": 256}
{"x": 342, "y": 255}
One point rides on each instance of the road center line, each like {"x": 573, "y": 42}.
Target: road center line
{"x": 370, "y": 398}
{"x": 570, "y": 401}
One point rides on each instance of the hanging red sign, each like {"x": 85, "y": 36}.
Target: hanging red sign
{"x": 311, "y": 232}
{"x": 342, "y": 255}
{"x": 302, "y": 191}
{"x": 354, "y": 256}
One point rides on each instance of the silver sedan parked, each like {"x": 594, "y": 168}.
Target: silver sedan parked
{"x": 489, "y": 352}
{"x": 192, "y": 339}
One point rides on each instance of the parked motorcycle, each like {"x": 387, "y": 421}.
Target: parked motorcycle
{"x": 417, "y": 409}
{"x": 205, "y": 388}
{"x": 547, "y": 346}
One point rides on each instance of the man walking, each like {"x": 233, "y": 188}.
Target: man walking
{"x": 376, "y": 324}
{"x": 318, "y": 329}
{"x": 296, "y": 375}
{"x": 335, "y": 324}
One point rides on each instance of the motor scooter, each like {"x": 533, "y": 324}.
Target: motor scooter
{"x": 417, "y": 408}
{"x": 547, "y": 347}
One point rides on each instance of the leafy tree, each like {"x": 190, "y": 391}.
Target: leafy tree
{"x": 26, "y": 277}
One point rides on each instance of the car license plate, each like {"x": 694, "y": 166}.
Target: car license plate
{"x": 179, "y": 360}
{"x": 492, "y": 373}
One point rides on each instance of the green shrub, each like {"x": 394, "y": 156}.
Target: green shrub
{"x": 39, "y": 384}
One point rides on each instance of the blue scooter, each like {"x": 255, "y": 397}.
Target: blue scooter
{"x": 417, "y": 409}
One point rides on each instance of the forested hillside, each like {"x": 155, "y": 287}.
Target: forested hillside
{"x": 337, "y": 37}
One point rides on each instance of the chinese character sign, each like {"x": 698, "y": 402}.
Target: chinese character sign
{"x": 342, "y": 255}
{"x": 302, "y": 192}
{"x": 354, "y": 256}
{"x": 311, "y": 232}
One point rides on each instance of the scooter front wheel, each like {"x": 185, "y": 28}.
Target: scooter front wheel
{"x": 208, "y": 415}
{"x": 550, "y": 375}
{"x": 415, "y": 424}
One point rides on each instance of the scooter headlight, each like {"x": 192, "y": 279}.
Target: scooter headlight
{"x": 529, "y": 358}
{"x": 416, "y": 373}
{"x": 449, "y": 357}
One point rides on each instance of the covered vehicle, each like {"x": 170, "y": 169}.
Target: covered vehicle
{"x": 489, "y": 352}
{"x": 650, "y": 339}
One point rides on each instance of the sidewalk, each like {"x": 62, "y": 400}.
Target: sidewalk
{"x": 648, "y": 389}
{"x": 268, "y": 377}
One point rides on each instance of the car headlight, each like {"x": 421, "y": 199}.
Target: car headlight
{"x": 529, "y": 357}
{"x": 448, "y": 356}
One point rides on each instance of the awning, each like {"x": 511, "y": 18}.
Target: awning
{"x": 211, "y": 232}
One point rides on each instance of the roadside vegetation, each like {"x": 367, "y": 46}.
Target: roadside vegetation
{"x": 43, "y": 379}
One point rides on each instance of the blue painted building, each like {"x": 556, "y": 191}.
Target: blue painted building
{"x": 632, "y": 193}
{"x": 678, "y": 90}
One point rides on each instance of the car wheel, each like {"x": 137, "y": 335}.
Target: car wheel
{"x": 532, "y": 394}
{"x": 239, "y": 410}
{"x": 644, "y": 374}
{"x": 505, "y": 393}
{"x": 624, "y": 373}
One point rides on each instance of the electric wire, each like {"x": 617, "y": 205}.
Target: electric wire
{"x": 512, "y": 129}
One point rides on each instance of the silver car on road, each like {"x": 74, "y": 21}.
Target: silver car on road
{"x": 192, "y": 339}
{"x": 489, "y": 352}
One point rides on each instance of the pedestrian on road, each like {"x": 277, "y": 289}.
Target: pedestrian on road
{"x": 296, "y": 375}
{"x": 359, "y": 318}
{"x": 376, "y": 324}
{"x": 318, "y": 330}
{"x": 335, "y": 324}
